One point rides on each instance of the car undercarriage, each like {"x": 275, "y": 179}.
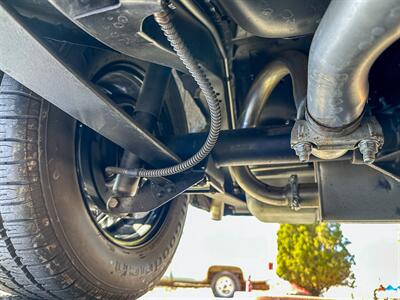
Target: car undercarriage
{"x": 283, "y": 110}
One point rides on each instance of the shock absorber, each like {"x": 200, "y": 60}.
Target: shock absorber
{"x": 164, "y": 19}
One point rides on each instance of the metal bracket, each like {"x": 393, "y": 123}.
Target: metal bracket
{"x": 352, "y": 192}
{"x": 155, "y": 193}
{"x": 43, "y": 72}
{"x": 294, "y": 189}
{"x": 387, "y": 164}
{"x": 368, "y": 137}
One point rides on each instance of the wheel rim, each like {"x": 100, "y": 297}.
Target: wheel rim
{"x": 225, "y": 286}
{"x": 121, "y": 82}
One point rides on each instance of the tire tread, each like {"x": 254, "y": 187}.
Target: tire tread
{"x": 32, "y": 263}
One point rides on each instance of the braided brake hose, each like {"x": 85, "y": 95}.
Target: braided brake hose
{"x": 163, "y": 18}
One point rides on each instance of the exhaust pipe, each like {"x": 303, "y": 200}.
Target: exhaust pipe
{"x": 294, "y": 64}
{"x": 351, "y": 36}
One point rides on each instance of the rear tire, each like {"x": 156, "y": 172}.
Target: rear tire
{"x": 50, "y": 247}
{"x": 225, "y": 284}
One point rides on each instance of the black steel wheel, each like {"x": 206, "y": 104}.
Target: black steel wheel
{"x": 54, "y": 242}
{"x": 122, "y": 82}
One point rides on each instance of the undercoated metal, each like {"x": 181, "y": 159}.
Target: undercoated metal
{"x": 243, "y": 147}
{"x": 292, "y": 63}
{"x": 118, "y": 24}
{"x": 50, "y": 78}
{"x": 153, "y": 194}
{"x": 388, "y": 164}
{"x": 352, "y": 34}
{"x": 276, "y": 19}
{"x": 357, "y": 193}
{"x": 368, "y": 137}
{"x": 195, "y": 118}
{"x": 205, "y": 20}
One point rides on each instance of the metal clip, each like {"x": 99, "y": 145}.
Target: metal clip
{"x": 294, "y": 189}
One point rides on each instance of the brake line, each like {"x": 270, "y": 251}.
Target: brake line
{"x": 164, "y": 19}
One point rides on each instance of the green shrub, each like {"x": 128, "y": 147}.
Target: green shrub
{"x": 314, "y": 257}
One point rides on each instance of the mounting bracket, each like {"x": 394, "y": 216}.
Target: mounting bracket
{"x": 155, "y": 193}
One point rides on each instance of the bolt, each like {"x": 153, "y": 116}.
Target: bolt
{"x": 368, "y": 149}
{"x": 303, "y": 151}
{"x": 112, "y": 203}
{"x": 160, "y": 194}
{"x": 293, "y": 179}
{"x": 294, "y": 203}
{"x": 170, "y": 5}
{"x": 170, "y": 189}
{"x": 236, "y": 190}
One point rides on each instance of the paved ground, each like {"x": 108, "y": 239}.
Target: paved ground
{"x": 197, "y": 294}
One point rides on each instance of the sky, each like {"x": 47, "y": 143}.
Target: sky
{"x": 245, "y": 242}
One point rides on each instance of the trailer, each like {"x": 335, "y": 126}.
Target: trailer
{"x": 223, "y": 280}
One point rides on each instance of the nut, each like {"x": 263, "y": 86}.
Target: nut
{"x": 368, "y": 149}
{"x": 303, "y": 151}
{"x": 112, "y": 202}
